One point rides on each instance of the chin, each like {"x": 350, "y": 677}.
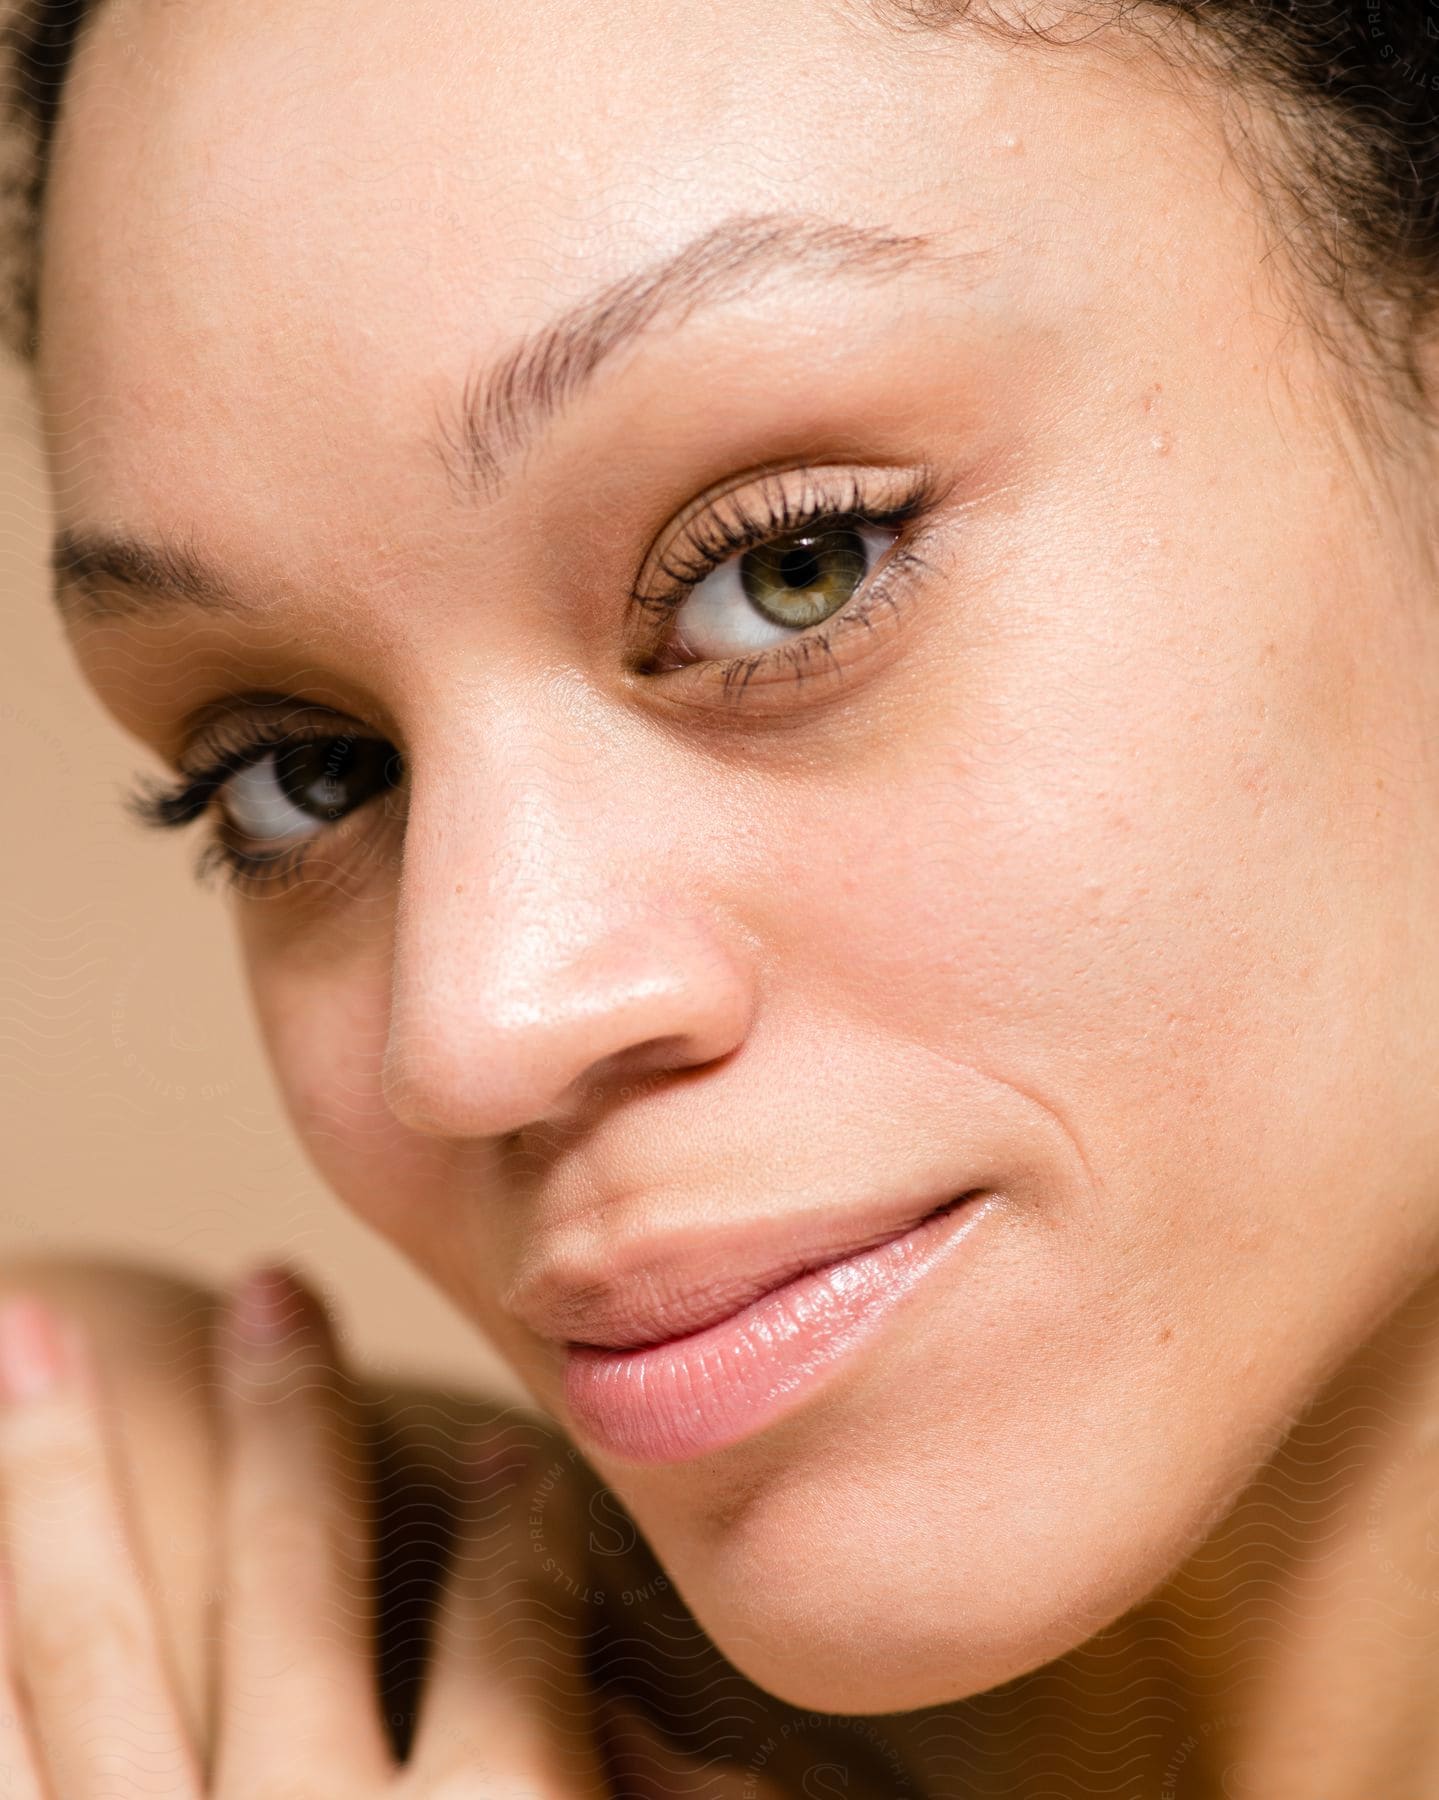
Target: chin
{"x": 878, "y": 1642}
{"x": 833, "y": 1642}
{"x": 874, "y": 1664}
{"x": 866, "y": 1591}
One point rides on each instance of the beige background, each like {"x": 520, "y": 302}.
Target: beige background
{"x": 138, "y": 1116}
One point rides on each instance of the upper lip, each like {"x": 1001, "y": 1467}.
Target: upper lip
{"x": 662, "y": 1286}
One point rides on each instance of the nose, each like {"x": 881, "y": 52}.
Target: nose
{"x": 539, "y": 970}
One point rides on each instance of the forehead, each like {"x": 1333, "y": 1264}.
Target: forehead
{"x": 258, "y": 171}
{"x": 268, "y": 226}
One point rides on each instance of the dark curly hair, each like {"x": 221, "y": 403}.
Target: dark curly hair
{"x": 1346, "y": 156}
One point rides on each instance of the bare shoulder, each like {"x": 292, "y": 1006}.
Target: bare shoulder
{"x": 153, "y": 1329}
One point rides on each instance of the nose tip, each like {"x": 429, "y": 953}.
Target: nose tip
{"x": 489, "y": 1052}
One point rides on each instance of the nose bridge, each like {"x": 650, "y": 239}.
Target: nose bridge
{"x": 551, "y": 942}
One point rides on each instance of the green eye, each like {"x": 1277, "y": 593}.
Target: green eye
{"x": 765, "y": 594}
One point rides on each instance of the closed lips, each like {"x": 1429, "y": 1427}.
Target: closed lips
{"x": 673, "y": 1398}
{"x": 713, "y": 1313}
{"x": 663, "y": 1289}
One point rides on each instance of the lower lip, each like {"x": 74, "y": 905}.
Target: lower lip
{"x": 666, "y": 1403}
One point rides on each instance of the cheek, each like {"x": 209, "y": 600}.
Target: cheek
{"x": 1100, "y": 917}
{"x": 1184, "y": 903}
{"x": 324, "y": 1026}
{"x": 1171, "y": 879}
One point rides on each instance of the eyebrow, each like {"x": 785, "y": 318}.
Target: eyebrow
{"x": 150, "y": 577}
{"x": 110, "y": 574}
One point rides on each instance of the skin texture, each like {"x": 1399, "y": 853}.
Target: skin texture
{"x": 1105, "y": 872}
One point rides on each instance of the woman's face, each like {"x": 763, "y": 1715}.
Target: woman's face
{"x": 1094, "y": 868}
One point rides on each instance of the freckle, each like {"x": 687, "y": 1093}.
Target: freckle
{"x": 1166, "y": 1334}
{"x": 1253, "y": 775}
{"x": 459, "y": 887}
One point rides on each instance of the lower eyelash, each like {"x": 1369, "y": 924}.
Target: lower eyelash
{"x": 247, "y": 872}
{"x": 171, "y": 806}
{"x": 885, "y": 590}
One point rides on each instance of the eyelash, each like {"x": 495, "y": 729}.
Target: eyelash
{"x": 713, "y": 539}
{"x": 236, "y": 743}
{"x": 716, "y": 537}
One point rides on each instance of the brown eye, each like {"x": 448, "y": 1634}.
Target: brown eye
{"x": 295, "y": 789}
{"x": 804, "y": 576}
{"x": 766, "y": 594}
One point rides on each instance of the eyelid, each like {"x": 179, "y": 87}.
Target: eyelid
{"x": 227, "y": 729}
{"x": 783, "y": 490}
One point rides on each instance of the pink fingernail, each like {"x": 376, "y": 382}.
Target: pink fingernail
{"x": 267, "y": 1306}
{"x": 35, "y": 1351}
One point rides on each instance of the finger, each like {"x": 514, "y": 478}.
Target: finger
{"x": 83, "y": 1634}
{"x": 297, "y": 1683}
{"x": 19, "y": 1763}
{"x": 506, "y": 1701}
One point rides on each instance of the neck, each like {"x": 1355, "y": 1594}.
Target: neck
{"x": 1308, "y": 1620}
